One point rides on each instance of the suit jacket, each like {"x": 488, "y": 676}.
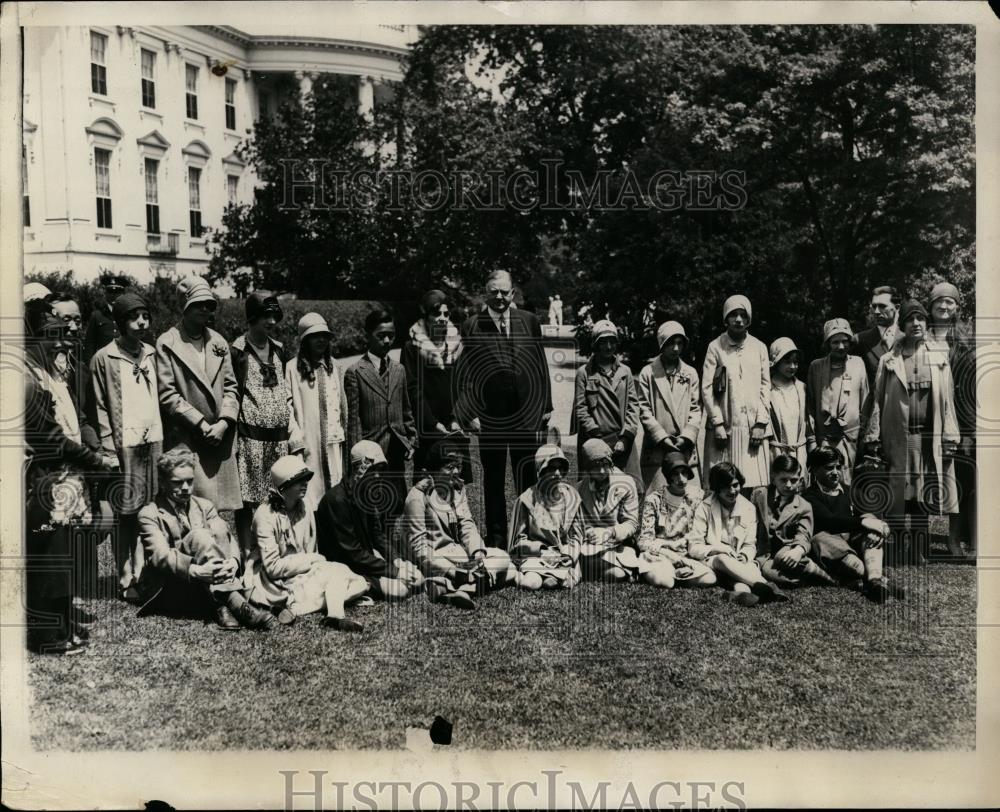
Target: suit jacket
{"x": 347, "y": 534}
{"x": 188, "y": 395}
{"x": 793, "y": 525}
{"x": 512, "y": 395}
{"x": 160, "y": 530}
{"x": 868, "y": 344}
{"x": 378, "y": 409}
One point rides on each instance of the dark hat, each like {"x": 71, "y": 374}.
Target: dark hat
{"x": 431, "y": 300}
{"x": 910, "y": 309}
{"x": 125, "y": 304}
{"x": 674, "y": 460}
{"x": 260, "y": 303}
{"x": 108, "y": 280}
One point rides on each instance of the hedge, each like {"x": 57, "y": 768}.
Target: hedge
{"x": 345, "y": 317}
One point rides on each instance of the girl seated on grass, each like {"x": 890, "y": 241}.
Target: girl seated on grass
{"x": 667, "y": 519}
{"x": 546, "y": 528}
{"x": 724, "y": 536}
{"x": 288, "y": 571}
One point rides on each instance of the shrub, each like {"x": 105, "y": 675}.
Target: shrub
{"x": 345, "y": 317}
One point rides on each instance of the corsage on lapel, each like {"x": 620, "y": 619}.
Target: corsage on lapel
{"x": 219, "y": 350}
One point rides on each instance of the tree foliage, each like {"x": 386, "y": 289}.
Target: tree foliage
{"x": 856, "y": 144}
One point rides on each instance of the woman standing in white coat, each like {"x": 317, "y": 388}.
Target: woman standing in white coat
{"x": 318, "y": 408}
{"x": 736, "y": 388}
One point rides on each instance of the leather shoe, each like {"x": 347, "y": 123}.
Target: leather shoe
{"x": 224, "y": 617}
{"x": 64, "y": 648}
{"x": 745, "y": 599}
{"x": 459, "y": 599}
{"x": 252, "y": 617}
{"x": 769, "y": 593}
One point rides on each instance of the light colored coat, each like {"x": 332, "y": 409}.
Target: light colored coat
{"x": 427, "y": 527}
{"x": 160, "y": 531}
{"x": 106, "y": 394}
{"x": 666, "y": 410}
{"x": 709, "y": 535}
{"x": 745, "y": 403}
{"x": 854, "y": 397}
{"x": 187, "y": 396}
{"x": 785, "y": 443}
{"x": 304, "y": 429}
{"x": 889, "y": 417}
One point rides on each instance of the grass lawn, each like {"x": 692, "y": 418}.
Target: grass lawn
{"x": 596, "y": 667}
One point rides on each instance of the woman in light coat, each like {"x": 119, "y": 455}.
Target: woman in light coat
{"x": 319, "y": 407}
{"x": 669, "y": 405}
{"x": 546, "y": 527}
{"x": 913, "y": 418}
{"x": 198, "y": 396}
{"x": 125, "y": 408}
{"x": 605, "y": 405}
{"x": 288, "y": 571}
{"x": 736, "y": 389}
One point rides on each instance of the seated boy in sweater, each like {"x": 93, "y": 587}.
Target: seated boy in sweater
{"x": 847, "y": 544}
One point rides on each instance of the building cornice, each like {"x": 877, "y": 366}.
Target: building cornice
{"x": 251, "y": 43}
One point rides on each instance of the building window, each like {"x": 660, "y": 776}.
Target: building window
{"x": 194, "y": 200}
{"x": 191, "y": 82}
{"x": 230, "y": 104}
{"x": 232, "y": 188}
{"x": 148, "y": 79}
{"x": 98, "y": 69}
{"x": 102, "y": 172}
{"x": 152, "y": 198}
{"x": 24, "y": 186}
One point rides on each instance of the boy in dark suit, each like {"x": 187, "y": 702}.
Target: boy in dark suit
{"x": 378, "y": 405}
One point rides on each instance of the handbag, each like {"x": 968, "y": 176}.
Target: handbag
{"x": 719, "y": 380}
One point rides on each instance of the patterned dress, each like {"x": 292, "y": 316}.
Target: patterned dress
{"x": 264, "y": 409}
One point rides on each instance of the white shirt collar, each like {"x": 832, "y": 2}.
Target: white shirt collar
{"x": 835, "y": 492}
{"x": 498, "y": 317}
{"x": 376, "y": 361}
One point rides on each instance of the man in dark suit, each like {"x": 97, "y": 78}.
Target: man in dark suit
{"x": 378, "y": 405}
{"x": 873, "y": 343}
{"x": 504, "y": 380}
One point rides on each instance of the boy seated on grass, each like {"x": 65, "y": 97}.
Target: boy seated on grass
{"x": 667, "y": 519}
{"x": 193, "y": 563}
{"x": 849, "y": 545}
{"x": 724, "y": 536}
{"x": 785, "y": 528}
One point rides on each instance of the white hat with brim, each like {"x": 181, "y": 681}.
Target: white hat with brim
{"x": 311, "y": 324}
{"x": 780, "y": 348}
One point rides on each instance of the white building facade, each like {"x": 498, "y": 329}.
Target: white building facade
{"x": 130, "y": 133}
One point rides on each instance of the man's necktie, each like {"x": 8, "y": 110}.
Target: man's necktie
{"x": 383, "y": 366}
